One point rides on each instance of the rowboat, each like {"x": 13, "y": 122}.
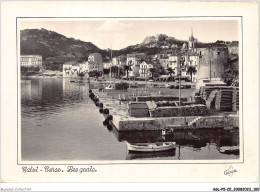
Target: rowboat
{"x": 151, "y": 147}
{"x": 229, "y": 149}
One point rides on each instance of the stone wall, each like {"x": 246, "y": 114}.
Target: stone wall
{"x": 177, "y": 111}
{"x": 158, "y": 98}
{"x": 217, "y": 121}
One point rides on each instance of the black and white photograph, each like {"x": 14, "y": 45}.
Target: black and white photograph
{"x": 129, "y": 95}
{"x": 129, "y": 89}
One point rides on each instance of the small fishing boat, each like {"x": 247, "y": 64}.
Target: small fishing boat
{"x": 167, "y": 131}
{"x": 72, "y": 81}
{"x": 150, "y": 147}
{"x": 229, "y": 149}
{"x": 110, "y": 87}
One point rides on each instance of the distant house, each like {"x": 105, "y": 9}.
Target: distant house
{"x": 106, "y": 65}
{"x": 133, "y": 61}
{"x": 95, "y": 62}
{"x": 119, "y": 61}
{"x": 145, "y": 66}
{"x": 31, "y": 60}
{"x": 174, "y": 62}
{"x": 72, "y": 69}
{"x": 163, "y": 58}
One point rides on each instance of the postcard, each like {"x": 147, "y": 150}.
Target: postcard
{"x": 155, "y": 92}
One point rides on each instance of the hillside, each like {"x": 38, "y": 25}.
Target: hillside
{"x": 54, "y": 47}
{"x": 154, "y": 44}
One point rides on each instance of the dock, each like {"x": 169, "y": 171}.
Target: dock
{"x": 119, "y": 117}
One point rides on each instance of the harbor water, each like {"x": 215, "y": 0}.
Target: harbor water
{"x": 60, "y": 122}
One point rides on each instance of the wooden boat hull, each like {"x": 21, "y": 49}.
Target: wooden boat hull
{"x": 150, "y": 155}
{"x": 229, "y": 149}
{"x": 151, "y": 147}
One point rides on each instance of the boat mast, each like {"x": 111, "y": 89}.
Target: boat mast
{"x": 110, "y": 66}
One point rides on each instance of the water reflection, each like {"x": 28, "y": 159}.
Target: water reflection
{"x": 150, "y": 155}
{"x": 196, "y": 140}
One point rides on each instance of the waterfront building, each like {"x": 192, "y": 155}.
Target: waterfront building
{"x": 190, "y": 58}
{"x": 31, "y": 60}
{"x": 72, "y": 69}
{"x": 95, "y": 62}
{"x": 119, "y": 61}
{"x": 163, "y": 58}
{"x": 133, "y": 61}
{"x": 174, "y": 62}
{"x": 145, "y": 66}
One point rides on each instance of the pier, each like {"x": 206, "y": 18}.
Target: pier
{"x": 117, "y": 113}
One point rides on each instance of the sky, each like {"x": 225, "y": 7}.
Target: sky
{"x": 117, "y": 34}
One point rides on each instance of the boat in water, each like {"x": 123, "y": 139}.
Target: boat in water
{"x": 110, "y": 87}
{"x": 229, "y": 149}
{"x": 151, "y": 147}
{"x": 151, "y": 155}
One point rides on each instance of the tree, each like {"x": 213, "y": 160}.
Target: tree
{"x": 191, "y": 70}
{"x": 170, "y": 71}
{"x": 24, "y": 69}
{"x": 106, "y": 71}
{"x": 94, "y": 73}
{"x": 126, "y": 68}
{"x": 152, "y": 71}
{"x": 230, "y": 77}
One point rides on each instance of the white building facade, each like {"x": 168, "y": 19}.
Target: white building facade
{"x": 31, "y": 60}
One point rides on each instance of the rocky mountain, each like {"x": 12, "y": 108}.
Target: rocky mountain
{"x": 154, "y": 44}
{"x": 49, "y": 43}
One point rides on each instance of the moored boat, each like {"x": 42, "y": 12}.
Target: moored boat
{"x": 229, "y": 149}
{"x": 150, "y": 155}
{"x": 110, "y": 87}
{"x": 150, "y": 147}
